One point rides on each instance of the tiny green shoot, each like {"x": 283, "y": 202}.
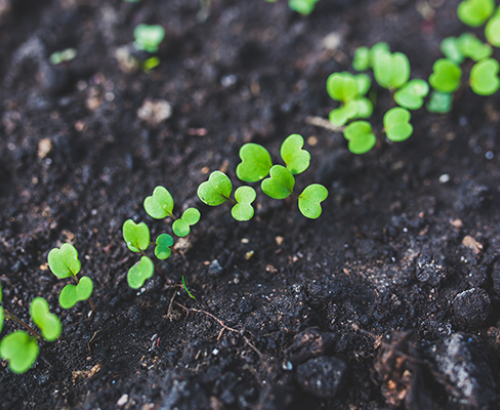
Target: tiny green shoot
{"x": 20, "y": 350}
{"x": 391, "y": 70}
{"x": 440, "y": 103}
{"x": 140, "y": 272}
{"x": 397, "y": 125}
{"x": 360, "y": 137}
{"x": 474, "y": 13}
{"x": 186, "y": 288}
{"x": 148, "y": 37}
{"x": 492, "y": 30}
{"x": 63, "y": 56}
{"x": 470, "y": 46}
{"x": 484, "y": 77}
{"x": 304, "y": 7}
{"x": 446, "y": 76}
{"x": 411, "y": 95}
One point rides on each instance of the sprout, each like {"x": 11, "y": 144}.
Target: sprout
{"x": 140, "y": 272}
{"x": 440, "y": 102}
{"x": 360, "y": 136}
{"x": 492, "y": 29}
{"x": 412, "y": 94}
{"x": 304, "y": 7}
{"x": 310, "y": 200}
{"x": 470, "y": 46}
{"x": 280, "y": 183}
{"x": 59, "y": 57}
{"x": 64, "y": 263}
{"x": 484, "y": 77}
{"x": 474, "y": 13}
{"x": 148, "y": 38}
{"x": 20, "y": 350}
{"x": 451, "y": 50}
{"x": 446, "y": 76}
{"x": 391, "y": 70}
{"x": 397, "y": 124}
{"x": 361, "y": 61}
{"x": 48, "y": 323}
{"x": 255, "y": 163}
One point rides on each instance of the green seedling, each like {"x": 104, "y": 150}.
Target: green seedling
{"x": 411, "y": 95}
{"x": 186, "y": 288}
{"x": 161, "y": 204}
{"x": 391, "y": 70}
{"x": 63, "y": 56}
{"x": 350, "y": 91}
{"x": 20, "y": 350}
{"x": 140, "y": 272}
{"x": 364, "y": 57}
{"x": 48, "y": 323}
{"x": 470, "y": 46}
{"x": 64, "y": 263}
{"x": 304, "y": 7}
{"x": 492, "y": 29}
{"x": 484, "y": 77}
{"x": 446, "y": 76}
{"x": 451, "y": 50}
{"x": 397, "y": 125}
{"x": 474, "y": 13}
{"x": 148, "y": 38}
{"x": 163, "y": 244}
{"x": 360, "y": 137}
{"x": 217, "y": 190}
{"x": 440, "y": 103}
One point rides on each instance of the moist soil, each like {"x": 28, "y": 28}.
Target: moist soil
{"x": 390, "y": 299}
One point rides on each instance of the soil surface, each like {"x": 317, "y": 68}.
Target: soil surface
{"x": 390, "y": 299}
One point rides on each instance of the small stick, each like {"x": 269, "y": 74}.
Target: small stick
{"x": 321, "y": 122}
{"x": 14, "y": 318}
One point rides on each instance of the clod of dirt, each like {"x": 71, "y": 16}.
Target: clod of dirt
{"x": 308, "y": 344}
{"x": 472, "y": 307}
{"x": 214, "y": 269}
{"x": 154, "y": 112}
{"x": 322, "y": 376}
{"x": 430, "y": 271}
{"x": 467, "y": 376}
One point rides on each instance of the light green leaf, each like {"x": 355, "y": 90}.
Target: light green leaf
{"x": 439, "y": 102}
{"x": 484, "y": 77}
{"x": 243, "y": 210}
{"x": 64, "y": 262}
{"x": 360, "y": 136}
{"x": 446, "y": 76}
{"x": 181, "y": 227}
{"x": 136, "y": 235}
{"x": 140, "y": 272}
{"x": 361, "y": 61}
{"x": 342, "y": 86}
{"x": 391, "y": 70}
{"x": 364, "y": 83}
{"x": 364, "y": 107}
{"x": 216, "y": 190}
{"x": 451, "y": 50}
{"x": 280, "y": 183}
{"x": 470, "y": 46}
{"x": 296, "y": 159}
{"x": 163, "y": 244}
{"x": 20, "y": 350}
{"x": 310, "y": 200}
{"x": 397, "y": 124}
{"x": 492, "y": 30}
{"x": 255, "y": 163}
{"x": 304, "y": 7}
{"x": 474, "y": 13}
{"x": 160, "y": 204}
{"x": 148, "y": 38}
{"x": 49, "y": 323}
{"x": 72, "y": 294}
{"x": 412, "y": 94}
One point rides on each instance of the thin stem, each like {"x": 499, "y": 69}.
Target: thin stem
{"x": 92, "y": 306}
{"x": 232, "y": 201}
{"x": 14, "y": 318}
{"x": 321, "y": 122}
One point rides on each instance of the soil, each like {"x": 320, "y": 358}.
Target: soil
{"x": 390, "y": 299}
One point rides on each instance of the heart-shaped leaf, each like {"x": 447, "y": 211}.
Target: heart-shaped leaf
{"x": 440, "y": 102}
{"x": 64, "y": 262}
{"x": 280, "y": 183}
{"x": 49, "y": 323}
{"x": 160, "y": 204}
{"x": 364, "y": 83}
{"x": 360, "y": 136}
{"x": 484, "y": 77}
{"x": 296, "y": 159}
{"x": 342, "y": 87}
{"x": 446, "y": 76}
{"x": 148, "y": 37}
{"x": 474, "y": 13}
{"x": 364, "y": 107}
{"x": 391, "y": 70}
{"x": 140, "y": 272}
{"x": 255, "y": 163}
{"x": 310, "y": 200}
{"x": 181, "y": 226}
{"x": 492, "y": 30}
{"x": 341, "y": 115}
{"x": 163, "y": 244}
{"x": 470, "y": 46}
{"x": 243, "y": 210}
{"x": 396, "y": 124}
{"x": 361, "y": 60}
{"x": 451, "y": 50}
{"x": 304, "y": 7}
{"x": 412, "y": 94}
{"x": 216, "y": 190}
{"x": 20, "y": 350}
{"x": 136, "y": 235}
{"x": 71, "y": 294}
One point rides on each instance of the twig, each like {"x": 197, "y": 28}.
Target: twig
{"x": 321, "y": 122}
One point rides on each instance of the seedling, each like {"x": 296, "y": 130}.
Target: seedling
{"x": 440, "y": 102}
{"x": 397, "y": 125}
{"x": 19, "y": 348}
{"x": 492, "y": 30}
{"x": 360, "y": 137}
{"x": 391, "y": 70}
{"x": 484, "y": 77}
{"x": 63, "y": 56}
{"x": 350, "y": 91}
{"x": 470, "y": 46}
{"x": 474, "y": 13}
{"x": 161, "y": 204}
{"x": 304, "y": 7}
{"x": 148, "y": 38}
{"x": 411, "y": 95}
{"x": 64, "y": 263}
{"x": 446, "y": 76}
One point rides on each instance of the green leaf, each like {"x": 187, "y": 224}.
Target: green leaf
{"x": 397, "y": 124}
{"x": 160, "y": 204}
{"x": 71, "y": 294}
{"x": 341, "y": 115}
{"x": 280, "y": 184}
{"x": 451, "y": 50}
{"x": 148, "y": 38}
{"x": 217, "y": 189}
{"x": 255, "y": 163}
{"x": 296, "y": 159}
{"x": 360, "y": 136}
{"x": 361, "y": 61}
{"x": 492, "y": 30}
{"x": 2, "y": 318}
{"x": 310, "y": 200}
{"x": 364, "y": 83}
{"x": 64, "y": 262}
{"x": 136, "y": 235}
{"x": 243, "y": 210}
{"x": 181, "y": 227}
{"x": 484, "y": 77}
{"x": 364, "y": 107}
{"x": 342, "y": 87}
{"x": 378, "y": 48}
{"x": 163, "y": 244}
{"x": 304, "y": 7}
{"x": 140, "y": 272}
{"x": 49, "y": 323}
{"x": 20, "y": 350}
{"x": 470, "y": 46}
{"x": 439, "y": 102}
{"x": 474, "y": 13}
{"x": 446, "y": 76}
{"x": 412, "y": 94}
{"x": 391, "y": 70}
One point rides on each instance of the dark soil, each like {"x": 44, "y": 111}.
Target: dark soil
{"x": 391, "y": 298}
